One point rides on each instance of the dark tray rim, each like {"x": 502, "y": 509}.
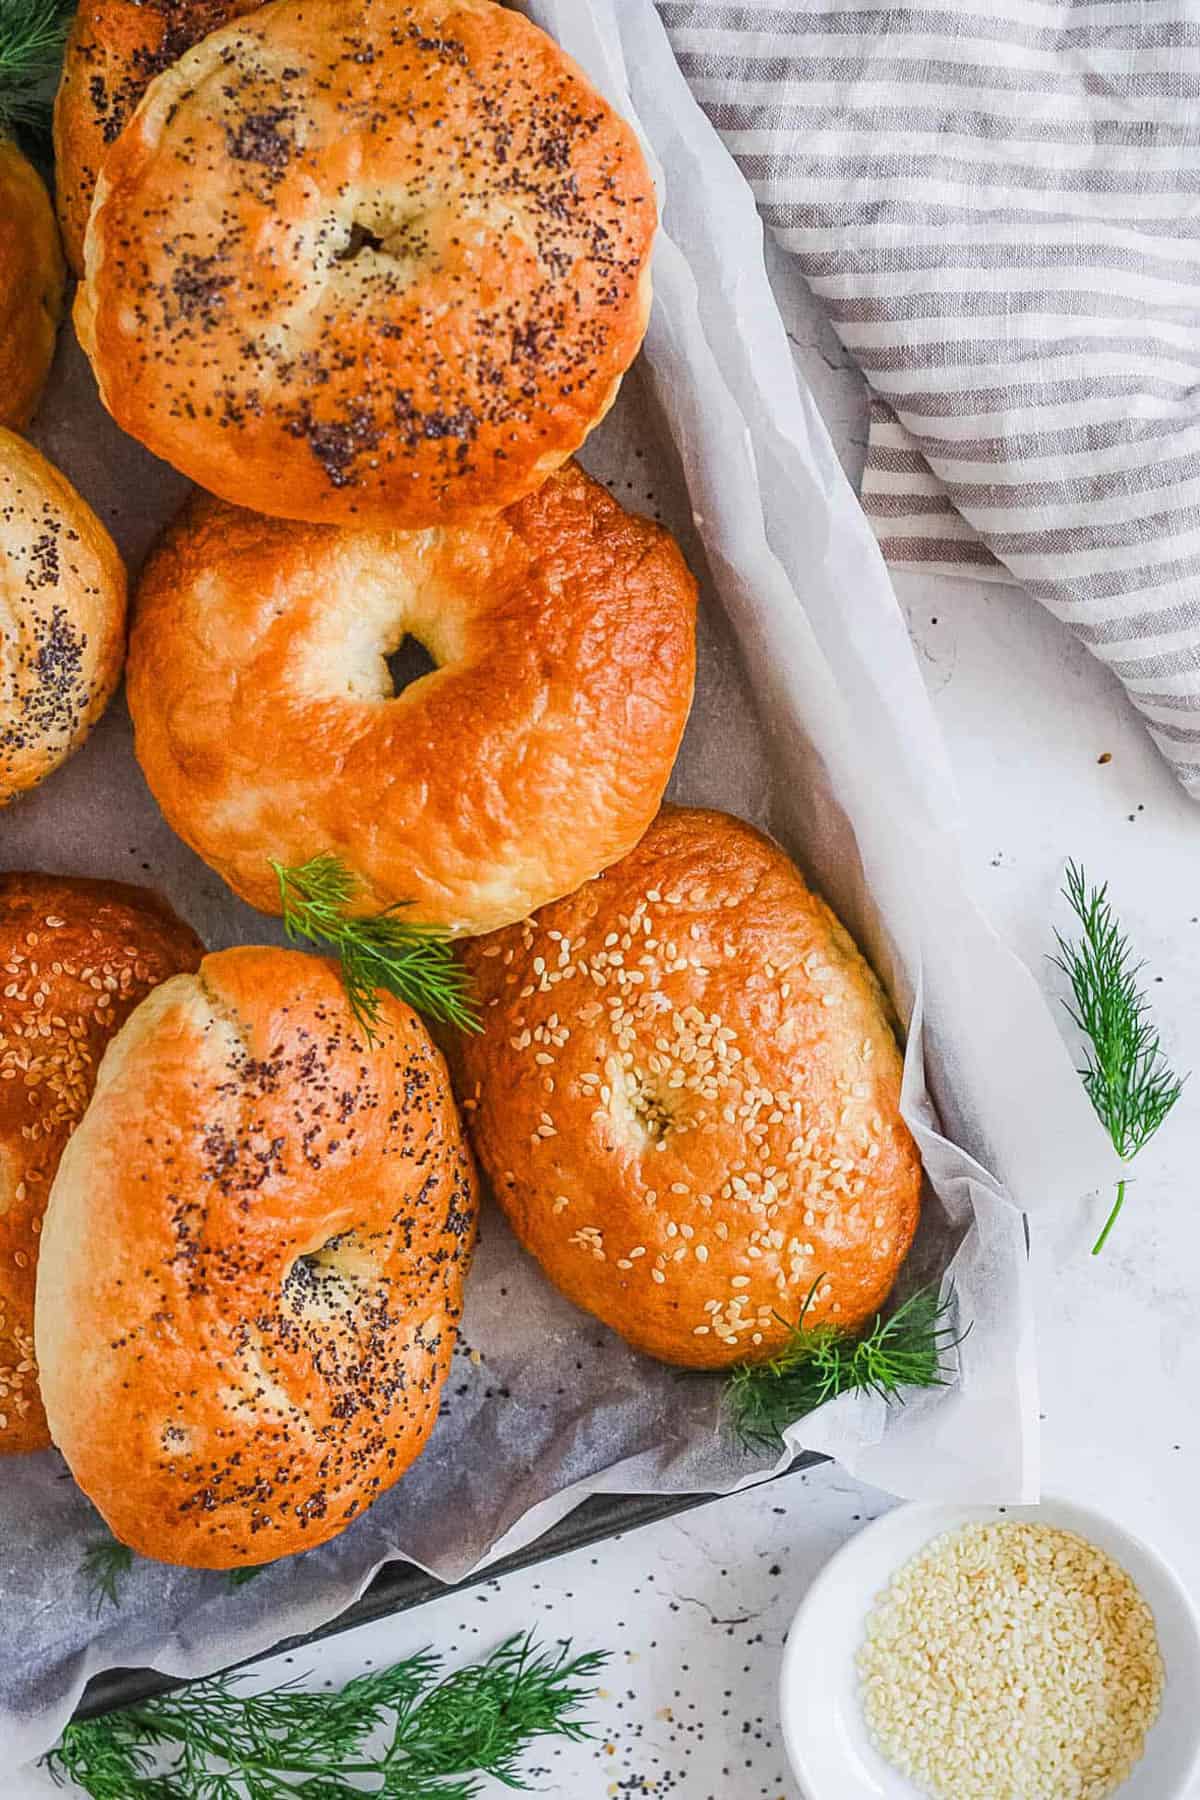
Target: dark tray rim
{"x": 401, "y": 1586}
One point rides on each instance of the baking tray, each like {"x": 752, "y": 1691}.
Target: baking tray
{"x": 400, "y": 1586}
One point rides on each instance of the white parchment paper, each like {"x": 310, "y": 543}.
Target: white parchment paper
{"x": 811, "y": 720}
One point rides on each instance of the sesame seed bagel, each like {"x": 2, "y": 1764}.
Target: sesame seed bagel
{"x": 536, "y": 753}
{"x": 31, "y": 285}
{"x": 77, "y": 956}
{"x": 62, "y": 617}
{"x": 252, "y": 1263}
{"x": 686, "y": 1097}
{"x": 114, "y": 49}
{"x": 368, "y": 261}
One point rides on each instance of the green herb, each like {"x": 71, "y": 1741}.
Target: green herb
{"x": 819, "y": 1362}
{"x": 32, "y": 33}
{"x": 239, "y": 1577}
{"x": 1126, "y": 1075}
{"x": 441, "y": 1734}
{"x": 415, "y": 962}
{"x": 105, "y": 1564}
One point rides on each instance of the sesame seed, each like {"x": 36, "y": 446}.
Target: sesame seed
{"x": 1065, "y": 1674}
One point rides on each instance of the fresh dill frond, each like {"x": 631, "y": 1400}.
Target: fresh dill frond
{"x": 417, "y": 963}
{"x": 104, "y": 1566}
{"x": 442, "y": 1733}
{"x": 1126, "y": 1075}
{"x": 32, "y": 34}
{"x": 239, "y": 1577}
{"x": 903, "y": 1350}
{"x": 482, "y": 1717}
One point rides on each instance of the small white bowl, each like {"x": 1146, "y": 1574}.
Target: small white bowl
{"x": 823, "y": 1727}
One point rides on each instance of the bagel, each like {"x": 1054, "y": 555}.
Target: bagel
{"x": 252, "y": 1263}
{"x": 686, "y": 1097}
{"x": 31, "y": 286}
{"x": 379, "y": 262}
{"x": 62, "y": 617}
{"x": 538, "y": 751}
{"x": 77, "y": 957}
{"x": 114, "y": 49}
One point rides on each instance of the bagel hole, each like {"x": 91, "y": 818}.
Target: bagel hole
{"x": 360, "y": 239}
{"x": 409, "y": 662}
{"x": 641, "y": 1112}
{"x": 377, "y": 228}
{"x": 341, "y": 1258}
{"x": 649, "y": 1109}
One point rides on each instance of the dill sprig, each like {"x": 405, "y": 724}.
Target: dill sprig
{"x": 106, "y": 1563}
{"x": 32, "y": 34}
{"x": 439, "y": 1734}
{"x": 415, "y": 962}
{"x": 104, "y": 1566}
{"x": 1126, "y": 1075}
{"x": 819, "y": 1362}
{"x": 250, "y": 1572}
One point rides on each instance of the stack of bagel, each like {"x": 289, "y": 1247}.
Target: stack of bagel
{"x": 369, "y": 272}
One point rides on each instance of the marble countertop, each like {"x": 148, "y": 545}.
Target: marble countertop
{"x": 695, "y": 1610}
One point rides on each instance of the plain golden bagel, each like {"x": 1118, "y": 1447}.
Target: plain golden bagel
{"x": 686, "y": 1097}
{"x": 267, "y": 725}
{"x": 31, "y": 286}
{"x": 114, "y": 50}
{"x": 77, "y": 958}
{"x": 252, "y": 1263}
{"x": 377, "y": 262}
{"x": 62, "y": 591}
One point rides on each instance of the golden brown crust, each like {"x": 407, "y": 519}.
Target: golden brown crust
{"x": 114, "y": 49}
{"x": 62, "y": 611}
{"x": 535, "y": 755}
{"x": 31, "y": 286}
{"x": 368, "y": 261}
{"x": 686, "y": 1097}
{"x": 252, "y": 1263}
{"x": 76, "y": 957}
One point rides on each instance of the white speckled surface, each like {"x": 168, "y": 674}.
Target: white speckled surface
{"x": 696, "y": 1609}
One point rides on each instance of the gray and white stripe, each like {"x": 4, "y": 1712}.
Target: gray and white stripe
{"x": 1000, "y": 209}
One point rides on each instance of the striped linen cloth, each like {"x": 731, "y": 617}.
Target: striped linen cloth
{"x": 999, "y": 208}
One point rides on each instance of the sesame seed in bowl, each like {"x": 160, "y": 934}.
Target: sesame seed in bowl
{"x": 982, "y": 1653}
{"x": 1011, "y": 1657}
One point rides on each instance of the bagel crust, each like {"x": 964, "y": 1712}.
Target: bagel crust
{"x": 62, "y": 602}
{"x": 535, "y": 754}
{"x": 686, "y": 1097}
{"x": 379, "y": 262}
{"x": 252, "y": 1263}
{"x": 77, "y": 958}
{"x": 114, "y": 49}
{"x": 31, "y": 286}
